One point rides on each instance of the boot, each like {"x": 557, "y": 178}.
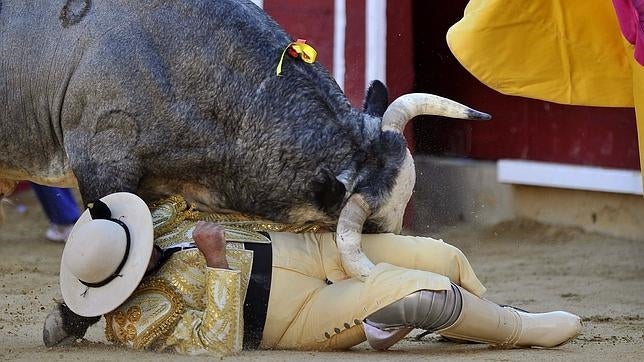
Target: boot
{"x": 486, "y": 322}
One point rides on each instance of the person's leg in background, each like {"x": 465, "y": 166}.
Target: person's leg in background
{"x": 61, "y": 209}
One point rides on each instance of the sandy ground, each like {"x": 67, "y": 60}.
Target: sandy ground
{"x": 522, "y": 263}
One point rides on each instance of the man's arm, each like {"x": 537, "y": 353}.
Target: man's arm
{"x": 211, "y": 241}
{"x": 218, "y": 329}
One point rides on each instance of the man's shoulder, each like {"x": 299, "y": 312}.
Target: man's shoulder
{"x": 150, "y": 313}
{"x": 168, "y": 213}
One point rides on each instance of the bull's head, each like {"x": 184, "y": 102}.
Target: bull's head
{"x": 389, "y": 214}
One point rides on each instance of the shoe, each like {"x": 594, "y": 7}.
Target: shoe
{"x": 58, "y": 233}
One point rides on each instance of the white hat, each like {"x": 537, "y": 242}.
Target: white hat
{"x": 99, "y": 270}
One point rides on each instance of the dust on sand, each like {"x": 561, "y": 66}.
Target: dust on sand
{"x": 525, "y": 264}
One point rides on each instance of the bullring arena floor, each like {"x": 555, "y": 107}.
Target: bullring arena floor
{"x": 529, "y": 265}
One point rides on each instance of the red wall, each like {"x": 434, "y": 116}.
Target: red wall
{"x": 521, "y": 128}
{"x": 400, "y": 47}
{"x": 400, "y": 55}
{"x": 354, "y": 52}
{"x": 313, "y": 20}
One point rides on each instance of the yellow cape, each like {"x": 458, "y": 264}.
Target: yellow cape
{"x": 563, "y": 51}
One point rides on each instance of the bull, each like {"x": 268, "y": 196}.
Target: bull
{"x": 160, "y": 97}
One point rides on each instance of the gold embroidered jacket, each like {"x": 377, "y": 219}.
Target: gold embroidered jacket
{"x": 186, "y": 306}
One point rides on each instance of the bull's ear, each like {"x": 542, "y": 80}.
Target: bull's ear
{"x": 329, "y": 193}
{"x": 376, "y": 100}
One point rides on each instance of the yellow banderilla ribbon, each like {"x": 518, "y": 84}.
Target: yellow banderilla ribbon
{"x": 298, "y": 49}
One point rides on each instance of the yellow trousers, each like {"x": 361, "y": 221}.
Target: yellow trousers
{"x": 306, "y": 312}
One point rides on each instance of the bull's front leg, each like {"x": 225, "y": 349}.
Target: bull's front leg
{"x": 105, "y": 158}
{"x": 96, "y": 180}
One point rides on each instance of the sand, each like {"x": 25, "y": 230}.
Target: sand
{"x": 523, "y": 263}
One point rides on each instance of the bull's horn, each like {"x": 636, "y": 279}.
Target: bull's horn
{"x": 408, "y": 106}
{"x": 349, "y": 237}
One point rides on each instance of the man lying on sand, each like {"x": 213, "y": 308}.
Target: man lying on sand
{"x": 166, "y": 280}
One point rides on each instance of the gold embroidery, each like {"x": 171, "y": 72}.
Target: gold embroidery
{"x": 182, "y": 233}
{"x": 242, "y": 260}
{"x": 168, "y": 213}
{"x": 121, "y": 327}
{"x": 109, "y": 328}
{"x": 218, "y": 327}
{"x": 222, "y": 325}
{"x": 127, "y": 324}
{"x": 163, "y": 326}
{"x": 119, "y": 318}
{"x": 125, "y": 329}
{"x": 184, "y": 271}
{"x": 133, "y": 314}
{"x": 252, "y": 223}
{"x": 126, "y": 334}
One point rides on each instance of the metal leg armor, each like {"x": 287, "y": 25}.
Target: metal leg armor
{"x": 426, "y": 309}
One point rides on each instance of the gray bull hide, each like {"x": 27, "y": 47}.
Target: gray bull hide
{"x": 159, "y": 97}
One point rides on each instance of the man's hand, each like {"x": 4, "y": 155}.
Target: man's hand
{"x": 211, "y": 241}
